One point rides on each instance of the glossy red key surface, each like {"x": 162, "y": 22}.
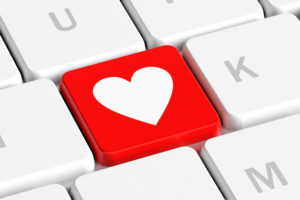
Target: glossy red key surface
{"x": 139, "y": 105}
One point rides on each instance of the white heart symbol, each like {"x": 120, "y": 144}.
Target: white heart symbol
{"x": 145, "y": 98}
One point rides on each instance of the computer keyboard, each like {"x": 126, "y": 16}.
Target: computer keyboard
{"x": 131, "y": 99}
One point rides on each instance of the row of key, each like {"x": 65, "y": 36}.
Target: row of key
{"x": 246, "y": 64}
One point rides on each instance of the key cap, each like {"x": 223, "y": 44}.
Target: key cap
{"x": 165, "y": 22}
{"x": 50, "y": 192}
{"x": 53, "y": 37}
{"x": 9, "y": 74}
{"x": 177, "y": 174}
{"x": 139, "y": 105}
{"x": 42, "y": 143}
{"x": 266, "y": 162}
{"x": 251, "y": 76}
{"x": 273, "y": 7}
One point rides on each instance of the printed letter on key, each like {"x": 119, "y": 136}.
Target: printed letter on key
{"x": 59, "y": 26}
{"x": 2, "y": 144}
{"x": 269, "y": 181}
{"x": 241, "y": 67}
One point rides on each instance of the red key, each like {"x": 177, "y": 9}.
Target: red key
{"x": 139, "y": 105}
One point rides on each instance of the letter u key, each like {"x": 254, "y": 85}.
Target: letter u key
{"x": 59, "y": 26}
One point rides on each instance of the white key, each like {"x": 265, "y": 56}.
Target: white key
{"x": 41, "y": 143}
{"x": 51, "y": 37}
{"x": 250, "y": 72}
{"x": 177, "y": 174}
{"x": 273, "y": 7}
{"x": 260, "y": 162}
{"x": 172, "y": 22}
{"x": 9, "y": 74}
{"x": 51, "y": 192}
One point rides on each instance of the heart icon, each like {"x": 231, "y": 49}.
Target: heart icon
{"x": 145, "y": 98}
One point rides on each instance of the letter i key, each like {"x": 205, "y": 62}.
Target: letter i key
{"x": 2, "y": 144}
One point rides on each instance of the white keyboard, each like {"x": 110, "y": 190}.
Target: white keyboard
{"x": 149, "y": 99}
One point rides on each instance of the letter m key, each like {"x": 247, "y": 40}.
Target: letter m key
{"x": 272, "y": 169}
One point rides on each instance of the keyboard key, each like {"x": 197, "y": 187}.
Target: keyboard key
{"x": 9, "y": 74}
{"x": 273, "y": 7}
{"x": 266, "y": 162}
{"x": 41, "y": 143}
{"x": 173, "y": 22}
{"x": 50, "y": 192}
{"x": 251, "y": 76}
{"x": 56, "y": 36}
{"x": 177, "y": 174}
{"x": 139, "y": 105}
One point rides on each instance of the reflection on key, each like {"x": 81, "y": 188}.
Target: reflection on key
{"x": 266, "y": 161}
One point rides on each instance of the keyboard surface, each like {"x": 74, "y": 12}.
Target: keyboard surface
{"x": 149, "y": 99}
